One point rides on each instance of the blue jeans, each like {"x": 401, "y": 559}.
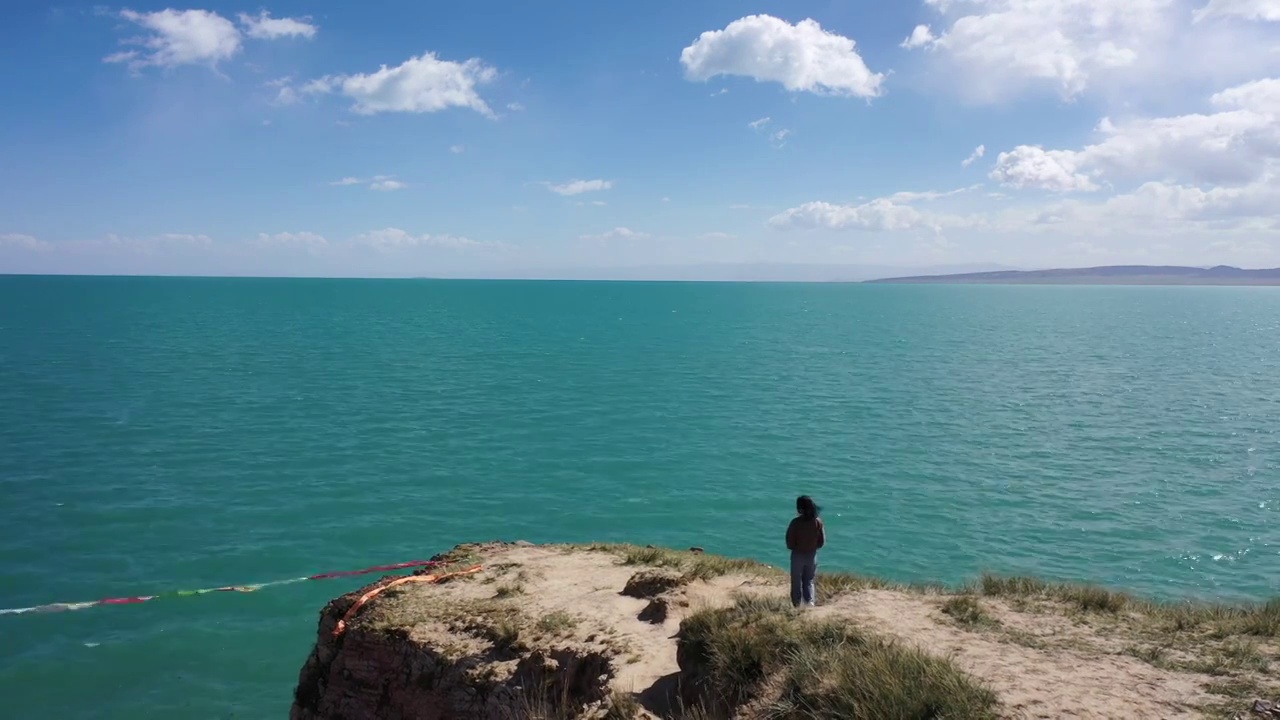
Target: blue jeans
{"x": 803, "y": 568}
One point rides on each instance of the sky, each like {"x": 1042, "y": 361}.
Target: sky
{"x": 524, "y": 139}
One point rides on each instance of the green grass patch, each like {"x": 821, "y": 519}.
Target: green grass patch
{"x": 809, "y": 668}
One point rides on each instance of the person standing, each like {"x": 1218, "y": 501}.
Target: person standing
{"x": 805, "y": 537}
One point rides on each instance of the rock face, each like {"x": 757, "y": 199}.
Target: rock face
{"x": 465, "y": 667}
{"x": 391, "y": 675}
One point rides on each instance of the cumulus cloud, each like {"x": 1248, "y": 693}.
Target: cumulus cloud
{"x": 1002, "y": 46}
{"x": 618, "y": 233}
{"x": 1237, "y": 145}
{"x": 919, "y": 37}
{"x": 802, "y": 57}
{"x": 265, "y": 27}
{"x": 1268, "y": 10}
{"x": 387, "y": 185}
{"x": 179, "y": 37}
{"x": 577, "y": 187}
{"x": 975, "y": 156}
{"x": 422, "y": 84}
{"x": 200, "y": 37}
{"x": 1031, "y": 166}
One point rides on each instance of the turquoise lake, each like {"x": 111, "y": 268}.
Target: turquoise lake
{"x": 161, "y": 434}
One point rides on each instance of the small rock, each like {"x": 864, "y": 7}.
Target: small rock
{"x": 696, "y": 549}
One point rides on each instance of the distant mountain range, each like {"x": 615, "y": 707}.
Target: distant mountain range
{"x": 1107, "y": 275}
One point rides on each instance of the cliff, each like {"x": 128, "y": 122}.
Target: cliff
{"x": 627, "y": 632}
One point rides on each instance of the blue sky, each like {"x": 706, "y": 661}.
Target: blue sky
{"x": 484, "y": 138}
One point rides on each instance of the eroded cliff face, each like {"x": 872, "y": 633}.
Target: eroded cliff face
{"x": 430, "y": 652}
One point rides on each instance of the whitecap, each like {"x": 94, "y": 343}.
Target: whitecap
{"x": 92, "y": 645}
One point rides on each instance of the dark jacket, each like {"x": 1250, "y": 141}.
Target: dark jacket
{"x": 806, "y": 536}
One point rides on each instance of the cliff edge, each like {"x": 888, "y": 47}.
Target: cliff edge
{"x": 628, "y": 632}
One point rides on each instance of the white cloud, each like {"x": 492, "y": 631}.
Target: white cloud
{"x": 1001, "y": 46}
{"x": 457, "y": 149}
{"x": 383, "y": 183}
{"x": 265, "y": 27}
{"x": 779, "y": 138}
{"x": 24, "y": 242}
{"x": 879, "y": 214}
{"x": 515, "y": 107}
{"x": 892, "y": 213}
{"x": 179, "y": 37}
{"x": 577, "y": 187}
{"x": 288, "y": 239}
{"x": 618, "y": 233}
{"x": 183, "y": 239}
{"x": 719, "y": 236}
{"x": 757, "y": 124}
{"x": 976, "y": 155}
{"x": 1237, "y": 145}
{"x": 919, "y": 37}
{"x": 1268, "y": 10}
{"x": 802, "y": 57}
{"x": 910, "y": 196}
{"x": 397, "y": 239}
{"x": 1031, "y": 166}
{"x": 721, "y": 91}
{"x": 422, "y": 84}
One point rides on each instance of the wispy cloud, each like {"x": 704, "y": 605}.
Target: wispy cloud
{"x": 577, "y": 187}
{"x": 976, "y": 155}
{"x": 397, "y": 239}
{"x": 382, "y": 183}
{"x": 618, "y": 233}
{"x": 265, "y": 27}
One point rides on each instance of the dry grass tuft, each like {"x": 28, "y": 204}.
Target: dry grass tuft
{"x": 756, "y": 653}
{"x": 558, "y": 624}
{"x": 967, "y": 611}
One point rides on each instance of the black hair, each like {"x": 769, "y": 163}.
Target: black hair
{"x": 807, "y": 508}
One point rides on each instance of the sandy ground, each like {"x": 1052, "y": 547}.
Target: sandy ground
{"x": 1043, "y": 665}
